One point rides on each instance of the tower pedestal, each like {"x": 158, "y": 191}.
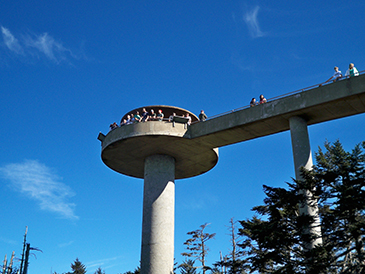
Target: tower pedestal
{"x": 160, "y": 152}
{"x": 157, "y": 256}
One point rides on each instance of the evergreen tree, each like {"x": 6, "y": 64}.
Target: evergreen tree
{"x": 221, "y": 265}
{"x": 340, "y": 176}
{"x": 215, "y": 270}
{"x": 136, "y": 271}
{"x": 99, "y": 271}
{"x": 233, "y": 262}
{"x": 187, "y": 267}
{"x": 196, "y": 245}
{"x": 77, "y": 267}
{"x": 274, "y": 242}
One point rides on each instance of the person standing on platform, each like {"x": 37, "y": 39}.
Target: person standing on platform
{"x": 202, "y": 116}
{"x": 262, "y": 99}
{"x": 189, "y": 119}
{"x": 352, "y": 71}
{"x": 337, "y": 75}
{"x": 144, "y": 115}
{"x": 160, "y": 115}
{"x": 253, "y": 102}
{"x": 152, "y": 116}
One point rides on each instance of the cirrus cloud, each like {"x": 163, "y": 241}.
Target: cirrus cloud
{"x": 36, "y": 45}
{"x": 252, "y": 23}
{"x": 10, "y": 41}
{"x": 40, "y": 183}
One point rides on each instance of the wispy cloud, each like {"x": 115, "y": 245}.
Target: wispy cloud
{"x": 103, "y": 262}
{"x": 36, "y": 45}
{"x": 45, "y": 44}
{"x": 40, "y": 183}
{"x": 62, "y": 245}
{"x": 10, "y": 41}
{"x": 251, "y": 20}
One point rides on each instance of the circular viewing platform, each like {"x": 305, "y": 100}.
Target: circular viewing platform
{"x": 125, "y": 148}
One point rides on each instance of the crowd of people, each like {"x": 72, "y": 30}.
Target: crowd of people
{"x": 145, "y": 116}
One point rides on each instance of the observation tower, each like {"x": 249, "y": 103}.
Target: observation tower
{"x": 159, "y": 152}
{"x": 162, "y": 151}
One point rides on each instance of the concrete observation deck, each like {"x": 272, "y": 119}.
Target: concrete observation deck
{"x": 195, "y": 147}
{"x": 125, "y": 149}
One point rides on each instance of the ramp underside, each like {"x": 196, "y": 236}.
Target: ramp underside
{"x": 333, "y": 101}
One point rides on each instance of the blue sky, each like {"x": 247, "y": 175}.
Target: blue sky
{"x": 70, "y": 68}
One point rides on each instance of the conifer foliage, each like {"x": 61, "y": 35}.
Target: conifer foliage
{"x": 341, "y": 178}
{"x": 77, "y": 267}
{"x": 196, "y": 245}
{"x": 274, "y": 238}
{"x": 187, "y": 267}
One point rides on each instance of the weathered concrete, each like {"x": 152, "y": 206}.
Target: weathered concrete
{"x": 157, "y": 254}
{"x": 124, "y": 149}
{"x": 303, "y": 158}
{"x": 300, "y": 143}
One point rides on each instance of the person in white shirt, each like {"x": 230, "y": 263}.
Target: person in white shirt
{"x": 337, "y": 75}
{"x": 189, "y": 118}
{"x": 352, "y": 71}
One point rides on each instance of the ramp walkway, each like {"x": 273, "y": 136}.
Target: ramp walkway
{"x": 320, "y": 104}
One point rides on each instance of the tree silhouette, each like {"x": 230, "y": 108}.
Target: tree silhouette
{"x": 274, "y": 237}
{"x": 196, "y": 245}
{"x": 77, "y": 267}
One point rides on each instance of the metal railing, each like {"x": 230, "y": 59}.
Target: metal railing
{"x": 279, "y": 97}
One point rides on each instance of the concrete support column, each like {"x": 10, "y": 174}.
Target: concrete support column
{"x": 300, "y": 143}
{"x": 303, "y": 158}
{"x": 157, "y": 255}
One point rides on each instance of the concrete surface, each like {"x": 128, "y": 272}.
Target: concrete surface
{"x": 329, "y": 102}
{"x": 158, "y": 226}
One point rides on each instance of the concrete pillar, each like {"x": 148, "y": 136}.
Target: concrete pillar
{"x": 157, "y": 255}
{"x": 303, "y": 158}
{"x": 300, "y": 143}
